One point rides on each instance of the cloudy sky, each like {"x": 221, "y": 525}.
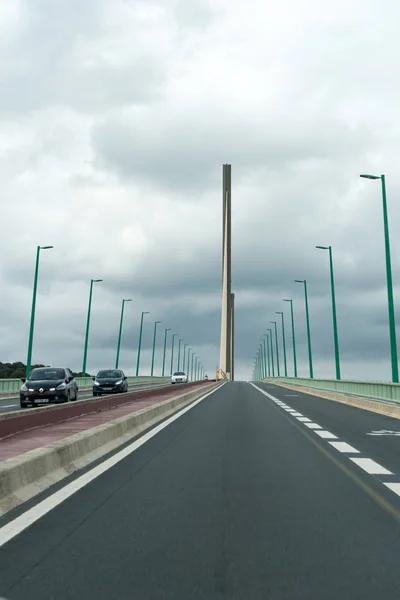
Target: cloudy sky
{"x": 115, "y": 119}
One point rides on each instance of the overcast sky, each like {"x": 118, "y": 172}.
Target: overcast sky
{"x": 115, "y": 119}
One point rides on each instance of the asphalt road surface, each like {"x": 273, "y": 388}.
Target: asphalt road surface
{"x": 12, "y": 403}
{"x": 237, "y": 498}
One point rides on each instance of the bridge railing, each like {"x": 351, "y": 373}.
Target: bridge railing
{"x": 12, "y": 386}
{"x": 368, "y": 389}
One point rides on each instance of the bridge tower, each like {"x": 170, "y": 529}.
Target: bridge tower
{"x": 226, "y": 357}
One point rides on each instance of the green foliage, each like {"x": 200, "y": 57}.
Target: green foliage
{"x": 16, "y": 370}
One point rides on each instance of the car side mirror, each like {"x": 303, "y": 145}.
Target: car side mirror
{"x": 94, "y": 378}
{"x": 125, "y": 377}
{"x": 70, "y": 379}
{"x": 23, "y": 379}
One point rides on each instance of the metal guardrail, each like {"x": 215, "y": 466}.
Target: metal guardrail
{"x": 10, "y": 386}
{"x": 389, "y": 392}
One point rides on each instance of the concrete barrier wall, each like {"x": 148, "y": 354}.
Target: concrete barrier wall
{"x": 25, "y": 476}
{"x": 381, "y": 406}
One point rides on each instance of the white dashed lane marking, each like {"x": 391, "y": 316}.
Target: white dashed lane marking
{"x": 367, "y": 464}
{"x": 370, "y": 466}
{"x": 326, "y": 435}
{"x": 395, "y": 487}
{"x": 344, "y": 447}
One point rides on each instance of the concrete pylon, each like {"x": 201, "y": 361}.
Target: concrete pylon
{"x": 226, "y": 358}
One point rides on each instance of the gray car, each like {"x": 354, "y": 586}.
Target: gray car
{"x": 46, "y": 385}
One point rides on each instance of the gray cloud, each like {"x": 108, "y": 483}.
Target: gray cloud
{"x": 115, "y": 119}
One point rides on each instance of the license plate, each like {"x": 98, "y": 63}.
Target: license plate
{"x": 42, "y": 401}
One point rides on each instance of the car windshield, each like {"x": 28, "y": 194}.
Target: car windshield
{"x": 45, "y": 374}
{"x": 179, "y": 373}
{"x": 112, "y": 374}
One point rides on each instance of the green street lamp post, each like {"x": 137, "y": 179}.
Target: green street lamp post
{"x": 120, "y": 330}
{"x": 179, "y": 355}
{"x": 154, "y": 347}
{"x": 389, "y": 282}
{"x": 92, "y": 281}
{"x": 184, "y": 355}
{"x": 265, "y": 357}
{"x": 268, "y": 355}
{"x": 140, "y": 341}
{"x": 310, "y": 360}
{"x": 334, "y": 317}
{"x": 272, "y": 350}
{"x": 33, "y": 310}
{"x": 262, "y": 361}
{"x": 277, "y": 347}
{"x": 172, "y": 351}
{"x": 258, "y": 365}
{"x": 284, "y": 341}
{"x": 293, "y": 335}
{"x": 165, "y": 350}
{"x": 191, "y": 368}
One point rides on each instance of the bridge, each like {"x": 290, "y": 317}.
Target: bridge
{"x": 284, "y": 486}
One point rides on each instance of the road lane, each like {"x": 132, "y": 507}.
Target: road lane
{"x": 229, "y": 501}
{"x": 12, "y": 403}
{"x": 372, "y": 434}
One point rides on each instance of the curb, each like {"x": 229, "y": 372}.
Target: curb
{"x": 376, "y": 406}
{"x": 23, "y": 477}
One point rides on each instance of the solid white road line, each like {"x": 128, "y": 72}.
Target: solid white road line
{"x": 370, "y": 466}
{"x": 395, "y": 487}
{"x": 313, "y": 425}
{"x": 19, "y": 524}
{"x": 326, "y": 435}
{"x": 344, "y": 447}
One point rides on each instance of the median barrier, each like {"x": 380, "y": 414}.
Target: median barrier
{"x": 24, "y": 476}
{"x": 21, "y": 420}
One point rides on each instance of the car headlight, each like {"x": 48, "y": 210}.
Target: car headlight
{"x": 24, "y": 388}
{"x": 119, "y": 382}
{"x": 96, "y": 383}
{"x": 62, "y": 386}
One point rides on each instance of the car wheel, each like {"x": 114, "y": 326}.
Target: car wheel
{"x": 23, "y": 405}
{"x": 94, "y": 394}
{"x": 75, "y": 397}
